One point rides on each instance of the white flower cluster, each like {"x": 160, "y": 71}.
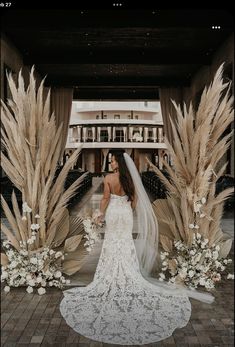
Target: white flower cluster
{"x": 196, "y": 266}
{"x": 32, "y": 269}
{"x": 92, "y": 232}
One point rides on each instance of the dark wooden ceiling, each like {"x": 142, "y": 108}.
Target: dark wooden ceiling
{"x": 117, "y": 53}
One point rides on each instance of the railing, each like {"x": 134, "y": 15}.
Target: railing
{"x": 119, "y": 133}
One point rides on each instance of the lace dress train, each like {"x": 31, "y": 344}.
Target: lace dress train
{"x": 120, "y": 306}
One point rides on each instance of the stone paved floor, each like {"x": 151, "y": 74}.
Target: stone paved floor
{"x": 33, "y": 320}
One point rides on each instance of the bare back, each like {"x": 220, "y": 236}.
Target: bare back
{"x": 114, "y": 184}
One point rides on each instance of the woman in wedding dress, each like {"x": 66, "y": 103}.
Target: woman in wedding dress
{"x": 124, "y": 304}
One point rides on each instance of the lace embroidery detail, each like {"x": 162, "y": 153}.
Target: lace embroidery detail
{"x": 119, "y": 306}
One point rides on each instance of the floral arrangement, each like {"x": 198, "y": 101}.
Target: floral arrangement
{"x": 92, "y": 230}
{"x": 31, "y": 149}
{"x": 32, "y": 269}
{"x": 197, "y": 265}
{"x": 192, "y": 206}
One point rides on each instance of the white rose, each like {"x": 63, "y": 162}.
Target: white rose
{"x": 4, "y": 275}
{"x": 29, "y": 290}
{"x": 33, "y": 261}
{"x": 191, "y": 226}
{"x": 215, "y": 254}
{"x": 58, "y": 254}
{"x": 217, "y": 248}
{"x": 230, "y": 277}
{"x": 57, "y": 274}
{"x": 202, "y": 215}
{"x": 192, "y": 252}
{"x": 51, "y": 252}
{"x": 37, "y": 216}
{"x": 41, "y": 291}
{"x": 26, "y": 207}
{"x": 67, "y": 281}
{"x": 191, "y": 273}
{"x": 162, "y": 275}
{"x": 7, "y": 289}
{"x": 203, "y": 200}
{"x": 39, "y": 279}
{"x": 31, "y": 283}
{"x": 50, "y": 283}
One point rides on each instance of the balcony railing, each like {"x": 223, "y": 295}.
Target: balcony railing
{"x": 119, "y": 133}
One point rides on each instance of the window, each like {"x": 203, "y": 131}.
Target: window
{"x": 136, "y": 117}
{"x": 117, "y": 116}
{"x": 97, "y": 116}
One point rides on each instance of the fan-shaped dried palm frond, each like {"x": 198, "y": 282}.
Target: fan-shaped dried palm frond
{"x": 197, "y": 147}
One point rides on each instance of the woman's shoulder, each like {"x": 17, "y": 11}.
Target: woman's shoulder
{"x": 110, "y": 176}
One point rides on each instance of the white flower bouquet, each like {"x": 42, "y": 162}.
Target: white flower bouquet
{"x": 198, "y": 265}
{"x": 32, "y": 269}
{"x": 92, "y": 229}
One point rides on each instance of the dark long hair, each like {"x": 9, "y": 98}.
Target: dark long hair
{"x": 124, "y": 174}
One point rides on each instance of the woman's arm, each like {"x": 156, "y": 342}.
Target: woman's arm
{"x": 106, "y": 196}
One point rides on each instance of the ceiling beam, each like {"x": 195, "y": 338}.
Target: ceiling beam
{"x": 119, "y": 56}
{"x": 74, "y": 81}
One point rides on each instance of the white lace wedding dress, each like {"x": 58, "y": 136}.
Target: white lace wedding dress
{"x": 120, "y": 306}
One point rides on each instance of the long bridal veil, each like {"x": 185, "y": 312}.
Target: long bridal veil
{"x": 148, "y": 238}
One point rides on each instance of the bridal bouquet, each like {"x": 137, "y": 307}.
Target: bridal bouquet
{"x": 92, "y": 229}
{"x": 198, "y": 265}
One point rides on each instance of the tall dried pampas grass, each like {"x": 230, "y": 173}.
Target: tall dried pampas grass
{"x": 31, "y": 145}
{"x": 191, "y": 204}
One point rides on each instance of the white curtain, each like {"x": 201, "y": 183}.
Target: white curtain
{"x": 104, "y": 152}
{"x": 154, "y": 134}
{"x": 98, "y": 134}
{"x": 84, "y": 134}
{"x": 109, "y": 134}
{"x": 114, "y": 133}
{"x": 79, "y": 133}
{"x": 93, "y": 134}
{"x": 124, "y": 133}
{"x": 130, "y": 133}
{"x": 168, "y": 110}
{"x": 75, "y": 134}
{"x": 61, "y": 104}
{"x": 146, "y": 134}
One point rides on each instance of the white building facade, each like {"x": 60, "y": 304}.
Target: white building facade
{"x": 136, "y": 127}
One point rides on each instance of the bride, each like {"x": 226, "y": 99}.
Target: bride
{"x": 124, "y": 304}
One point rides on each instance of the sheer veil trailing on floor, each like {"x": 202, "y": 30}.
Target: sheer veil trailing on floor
{"x": 124, "y": 304}
{"x": 147, "y": 239}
